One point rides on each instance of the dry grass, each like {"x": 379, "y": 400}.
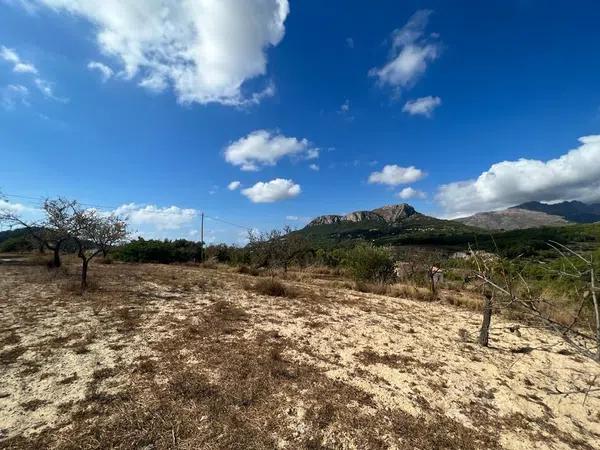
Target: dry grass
{"x": 271, "y": 287}
{"x": 246, "y": 270}
{"x": 181, "y": 357}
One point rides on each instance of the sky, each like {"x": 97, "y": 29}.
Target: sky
{"x": 262, "y": 113}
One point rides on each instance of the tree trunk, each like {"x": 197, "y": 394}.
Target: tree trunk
{"x": 84, "y": 269}
{"x": 56, "y": 261}
{"x": 484, "y": 332}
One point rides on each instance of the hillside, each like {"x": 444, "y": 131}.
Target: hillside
{"x": 574, "y": 211}
{"x": 388, "y": 221}
{"x": 512, "y": 219}
{"x": 416, "y": 229}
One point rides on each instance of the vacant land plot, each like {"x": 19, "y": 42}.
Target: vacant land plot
{"x": 186, "y": 357}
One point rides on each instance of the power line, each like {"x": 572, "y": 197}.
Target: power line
{"x": 228, "y": 223}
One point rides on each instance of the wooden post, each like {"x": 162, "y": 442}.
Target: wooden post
{"x": 202, "y": 239}
{"x": 484, "y": 332}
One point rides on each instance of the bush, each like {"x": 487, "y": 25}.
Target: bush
{"x": 369, "y": 263}
{"x": 17, "y": 244}
{"x": 163, "y": 252}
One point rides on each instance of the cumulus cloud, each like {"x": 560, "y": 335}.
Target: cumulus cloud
{"x": 105, "y": 72}
{"x": 167, "y": 218}
{"x": 272, "y": 191}
{"x": 13, "y": 95}
{"x": 423, "y": 106}
{"x": 204, "y": 49}
{"x": 262, "y": 148}
{"x": 410, "y": 54}
{"x": 393, "y": 175}
{"x": 234, "y": 185}
{"x": 408, "y": 192}
{"x": 19, "y": 66}
{"x": 7, "y": 207}
{"x": 572, "y": 176}
{"x": 314, "y": 167}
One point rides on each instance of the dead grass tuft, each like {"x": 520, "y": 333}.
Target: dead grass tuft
{"x": 32, "y": 405}
{"x": 11, "y": 356}
{"x": 246, "y": 270}
{"x": 272, "y": 288}
{"x": 372, "y": 288}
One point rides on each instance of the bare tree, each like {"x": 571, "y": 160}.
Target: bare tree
{"x": 514, "y": 291}
{"x": 51, "y": 232}
{"x": 277, "y": 248}
{"x": 94, "y": 234}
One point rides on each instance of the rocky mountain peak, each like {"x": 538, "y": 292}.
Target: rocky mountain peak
{"x": 389, "y": 214}
{"x": 395, "y": 213}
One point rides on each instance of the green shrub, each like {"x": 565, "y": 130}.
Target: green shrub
{"x": 164, "y": 252}
{"x": 17, "y": 244}
{"x": 369, "y": 263}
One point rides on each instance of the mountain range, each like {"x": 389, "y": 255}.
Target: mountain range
{"x": 401, "y": 224}
{"x": 535, "y": 214}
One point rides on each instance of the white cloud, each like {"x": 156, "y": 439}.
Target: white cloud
{"x": 272, "y": 191}
{"x": 297, "y": 218}
{"x": 19, "y": 66}
{"x": 14, "y": 208}
{"x": 408, "y": 192}
{"x": 13, "y": 95}
{"x": 393, "y": 175}
{"x": 314, "y": 167}
{"x": 572, "y": 176}
{"x": 349, "y": 42}
{"x": 105, "y": 72}
{"x": 234, "y": 185}
{"x": 261, "y": 148}
{"x": 204, "y": 49}
{"x": 47, "y": 89}
{"x": 410, "y": 54}
{"x": 345, "y": 106}
{"x": 423, "y": 106}
{"x": 168, "y": 218}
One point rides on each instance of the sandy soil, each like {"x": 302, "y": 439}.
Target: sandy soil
{"x": 61, "y": 351}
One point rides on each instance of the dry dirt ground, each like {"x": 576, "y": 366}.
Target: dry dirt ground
{"x": 185, "y": 357}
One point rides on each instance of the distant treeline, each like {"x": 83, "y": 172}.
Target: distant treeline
{"x": 330, "y": 250}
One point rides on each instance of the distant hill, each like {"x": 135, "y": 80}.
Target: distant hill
{"x": 400, "y": 220}
{"x": 574, "y": 211}
{"x": 401, "y": 225}
{"x": 534, "y": 215}
{"x": 512, "y": 219}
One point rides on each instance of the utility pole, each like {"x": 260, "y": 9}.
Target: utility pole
{"x": 202, "y": 239}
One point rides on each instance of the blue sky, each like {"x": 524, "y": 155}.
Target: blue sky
{"x": 153, "y": 108}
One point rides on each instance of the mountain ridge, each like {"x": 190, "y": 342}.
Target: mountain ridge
{"x": 388, "y": 214}
{"x": 535, "y": 214}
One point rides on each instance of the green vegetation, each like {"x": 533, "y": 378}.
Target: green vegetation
{"x": 369, "y": 263}
{"x": 164, "y": 252}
